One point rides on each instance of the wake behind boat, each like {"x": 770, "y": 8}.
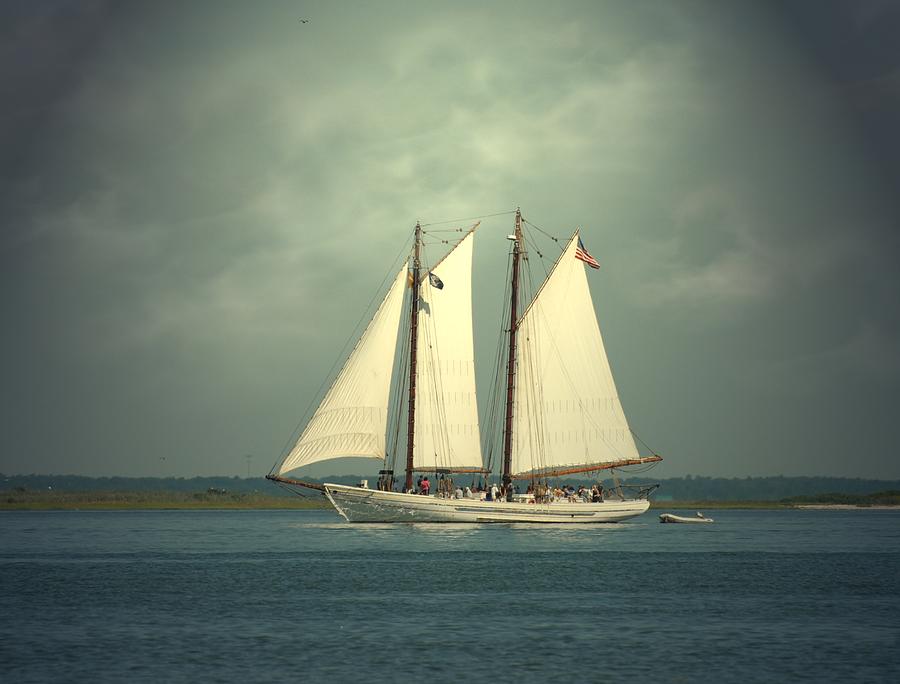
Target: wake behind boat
{"x": 561, "y": 413}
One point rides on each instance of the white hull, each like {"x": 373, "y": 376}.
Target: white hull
{"x": 357, "y": 504}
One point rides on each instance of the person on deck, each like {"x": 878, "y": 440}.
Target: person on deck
{"x": 426, "y": 486}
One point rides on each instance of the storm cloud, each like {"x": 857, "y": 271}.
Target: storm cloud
{"x": 198, "y": 202}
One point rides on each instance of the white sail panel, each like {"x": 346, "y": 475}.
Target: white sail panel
{"x": 446, "y": 429}
{"x": 566, "y": 408}
{"x": 352, "y": 418}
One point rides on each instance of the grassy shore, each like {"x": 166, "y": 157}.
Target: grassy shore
{"x": 49, "y": 501}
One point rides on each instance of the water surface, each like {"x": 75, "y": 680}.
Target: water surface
{"x": 237, "y": 596}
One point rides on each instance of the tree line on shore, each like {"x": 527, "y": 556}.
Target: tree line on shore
{"x": 689, "y": 488}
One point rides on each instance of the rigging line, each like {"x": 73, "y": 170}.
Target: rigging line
{"x": 342, "y": 355}
{"x": 489, "y": 411}
{"x": 292, "y": 490}
{"x": 440, "y": 242}
{"x": 436, "y": 408}
{"x": 490, "y": 437}
{"x": 502, "y": 354}
{"x": 538, "y": 311}
{"x": 578, "y": 399}
{"x": 398, "y": 414}
{"x": 552, "y": 237}
{"x": 440, "y": 396}
{"x": 642, "y": 469}
{"x": 400, "y": 381}
{"x": 531, "y": 354}
{"x": 635, "y": 435}
{"x": 455, "y": 245}
{"x": 540, "y": 254}
{"x": 544, "y": 284}
{"x": 469, "y": 218}
{"x": 524, "y": 404}
{"x": 435, "y": 413}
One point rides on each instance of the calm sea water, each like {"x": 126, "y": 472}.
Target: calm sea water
{"x": 236, "y": 596}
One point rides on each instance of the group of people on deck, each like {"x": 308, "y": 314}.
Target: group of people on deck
{"x": 535, "y": 493}
{"x": 544, "y": 493}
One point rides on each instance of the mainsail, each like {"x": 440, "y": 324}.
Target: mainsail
{"x": 446, "y": 427}
{"x": 352, "y": 418}
{"x": 567, "y": 412}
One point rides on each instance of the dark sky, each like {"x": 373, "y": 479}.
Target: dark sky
{"x": 198, "y": 201}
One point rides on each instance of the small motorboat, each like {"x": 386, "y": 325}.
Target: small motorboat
{"x": 671, "y": 518}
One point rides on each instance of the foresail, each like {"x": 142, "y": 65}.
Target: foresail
{"x": 446, "y": 429}
{"x": 352, "y": 418}
{"x": 567, "y": 412}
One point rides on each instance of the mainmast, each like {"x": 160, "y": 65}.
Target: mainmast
{"x": 511, "y": 358}
{"x": 413, "y": 339}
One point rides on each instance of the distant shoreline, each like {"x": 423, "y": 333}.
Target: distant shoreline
{"x": 767, "y": 505}
{"x": 846, "y": 507}
{"x": 113, "y": 501}
{"x": 116, "y": 501}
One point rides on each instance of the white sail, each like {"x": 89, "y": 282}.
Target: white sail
{"x": 567, "y": 412}
{"x": 352, "y": 418}
{"x": 446, "y": 430}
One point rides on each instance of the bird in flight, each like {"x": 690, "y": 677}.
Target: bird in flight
{"x": 304, "y": 21}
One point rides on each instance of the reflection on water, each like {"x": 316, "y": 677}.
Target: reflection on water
{"x": 780, "y": 531}
{"x": 465, "y": 536}
{"x": 322, "y": 529}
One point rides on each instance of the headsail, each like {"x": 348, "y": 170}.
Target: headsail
{"x": 352, "y": 418}
{"x": 446, "y": 428}
{"x": 567, "y": 411}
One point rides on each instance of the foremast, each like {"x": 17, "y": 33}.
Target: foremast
{"x": 413, "y": 343}
{"x": 506, "y": 473}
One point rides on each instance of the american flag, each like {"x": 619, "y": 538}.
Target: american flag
{"x": 584, "y": 255}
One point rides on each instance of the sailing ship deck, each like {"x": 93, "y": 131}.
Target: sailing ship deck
{"x": 358, "y": 504}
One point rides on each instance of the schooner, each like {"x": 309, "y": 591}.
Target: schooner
{"x": 561, "y": 413}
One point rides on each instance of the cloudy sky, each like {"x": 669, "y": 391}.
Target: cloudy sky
{"x": 199, "y": 200}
